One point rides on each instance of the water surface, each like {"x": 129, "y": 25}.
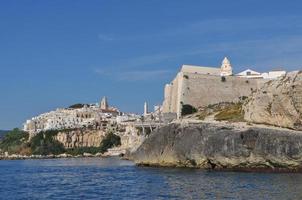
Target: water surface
{"x": 111, "y": 178}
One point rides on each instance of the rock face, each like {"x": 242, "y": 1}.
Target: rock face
{"x": 131, "y": 138}
{"x": 277, "y": 103}
{"x": 216, "y": 146}
{"x": 80, "y": 138}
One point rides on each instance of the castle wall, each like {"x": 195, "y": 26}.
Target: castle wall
{"x": 173, "y": 94}
{"x": 200, "y": 90}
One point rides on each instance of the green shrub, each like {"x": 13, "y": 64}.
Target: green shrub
{"x": 187, "y": 109}
{"x": 110, "y": 141}
{"x": 78, "y": 105}
{"x": 14, "y": 141}
{"x": 44, "y": 143}
{"x": 82, "y": 150}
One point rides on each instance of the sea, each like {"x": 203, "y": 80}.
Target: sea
{"x": 113, "y": 178}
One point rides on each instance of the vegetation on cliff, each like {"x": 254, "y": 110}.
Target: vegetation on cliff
{"x": 111, "y": 140}
{"x": 44, "y": 143}
{"x": 78, "y": 105}
{"x": 14, "y": 141}
{"x": 225, "y": 111}
{"x": 187, "y": 109}
{"x": 231, "y": 113}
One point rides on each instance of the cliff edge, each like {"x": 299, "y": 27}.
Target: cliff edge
{"x": 217, "y": 146}
{"x": 278, "y": 103}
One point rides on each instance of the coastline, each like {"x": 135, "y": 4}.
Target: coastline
{"x": 243, "y": 170}
{"x": 35, "y": 157}
{"x": 222, "y": 147}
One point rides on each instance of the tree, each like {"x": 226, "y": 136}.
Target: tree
{"x": 187, "y": 109}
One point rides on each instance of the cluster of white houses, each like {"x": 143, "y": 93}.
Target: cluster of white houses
{"x": 95, "y": 116}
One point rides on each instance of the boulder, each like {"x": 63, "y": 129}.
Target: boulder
{"x": 226, "y": 147}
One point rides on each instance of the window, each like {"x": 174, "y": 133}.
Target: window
{"x": 248, "y": 73}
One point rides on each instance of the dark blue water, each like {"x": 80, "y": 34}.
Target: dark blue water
{"x": 111, "y": 178}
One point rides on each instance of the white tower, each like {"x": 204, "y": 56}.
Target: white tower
{"x": 226, "y": 68}
{"x": 145, "y": 108}
{"x": 104, "y": 103}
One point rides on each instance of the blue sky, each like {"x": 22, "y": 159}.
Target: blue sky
{"x": 57, "y": 53}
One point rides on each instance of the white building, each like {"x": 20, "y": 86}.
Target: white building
{"x": 257, "y": 75}
{"x": 274, "y": 74}
{"x": 249, "y": 74}
{"x": 69, "y": 118}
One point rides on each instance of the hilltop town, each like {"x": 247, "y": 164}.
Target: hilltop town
{"x": 86, "y": 125}
{"x": 199, "y": 99}
{"x": 188, "y": 88}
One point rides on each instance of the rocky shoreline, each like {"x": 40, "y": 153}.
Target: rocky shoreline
{"x": 25, "y": 157}
{"x": 64, "y": 155}
{"x": 222, "y": 147}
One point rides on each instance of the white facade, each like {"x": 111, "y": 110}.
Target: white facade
{"x": 274, "y": 74}
{"x": 257, "y": 75}
{"x": 146, "y": 109}
{"x": 62, "y": 119}
{"x": 249, "y": 74}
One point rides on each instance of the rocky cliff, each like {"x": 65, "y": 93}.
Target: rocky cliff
{"x": 278, "y": 103}
{"x": 80, "y": 138}
{"x": 217, "y": 146}
{"x": 131, "y": 138}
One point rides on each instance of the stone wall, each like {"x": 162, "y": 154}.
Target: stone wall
{"x": 200, "y": 90}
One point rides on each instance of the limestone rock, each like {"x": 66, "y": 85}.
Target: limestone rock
{"x": 217, "y": 146}
{"x": 278, "y": 103}
{"x": 131, "y": 138}
{"x": 80, "y": 138}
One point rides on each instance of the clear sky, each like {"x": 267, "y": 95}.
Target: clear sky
{"x": 59, "y": 52}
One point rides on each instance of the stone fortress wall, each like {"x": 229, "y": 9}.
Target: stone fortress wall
{"x": 200, "y": 90}
{"x": 202, "y": 86}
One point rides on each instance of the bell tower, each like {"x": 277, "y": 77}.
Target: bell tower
{"x": 104, "y": 103}
{"x": 226, "y": 68}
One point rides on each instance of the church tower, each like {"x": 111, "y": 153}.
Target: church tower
{"x": 104, "y": 104}
{"x": 226, "y": 68}
{"x": 145, "y": 108}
